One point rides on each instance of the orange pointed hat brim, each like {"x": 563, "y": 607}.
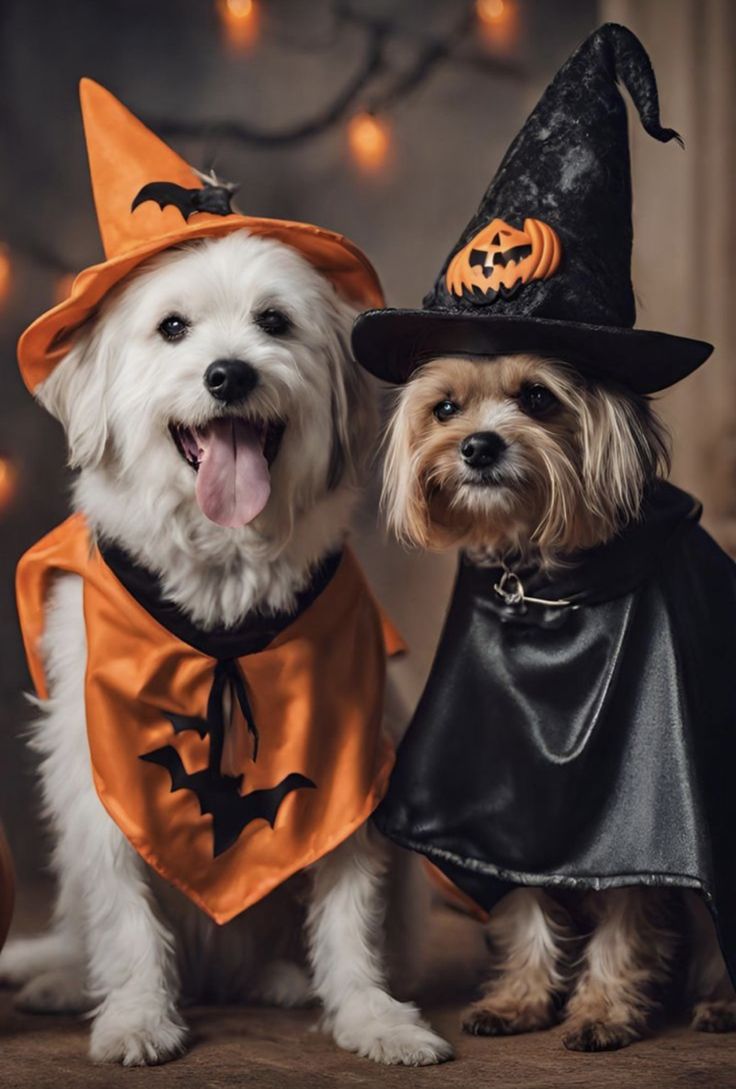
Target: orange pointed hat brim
{"x": 48, "y": 339}
{"x": 124, "y": 156}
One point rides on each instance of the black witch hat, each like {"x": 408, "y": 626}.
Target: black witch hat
{"x": 545, "y": 264}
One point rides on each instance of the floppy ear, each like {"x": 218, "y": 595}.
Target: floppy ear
{"x": 75, "y": 394}
{"x": 403, "y": 495}
{"x": 352, "y": 403}
{"x": 624, "y": 446}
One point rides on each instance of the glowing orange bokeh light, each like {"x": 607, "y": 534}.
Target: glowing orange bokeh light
{"x": 499, "y": 22}
{"x": 8, "y": 481}
{"x": 63, "y": 288}
{"x": 369, "y": 140}
{"x": 490, "y": 11}
{"x": 5, "y": 272}
{"x": 239, "y": 19}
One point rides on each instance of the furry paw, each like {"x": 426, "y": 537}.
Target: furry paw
{"x": 600, "y": 1036}
{"x": 398, "y": 1045}
{"x": 134, "y": 1035}
{"x": 715, "y": 1016}
{"x": 60, "y": 990}
{"x": 395, "y": 1035}
{"x": 482, "y": 1020}
{"x": 285, "y": 984}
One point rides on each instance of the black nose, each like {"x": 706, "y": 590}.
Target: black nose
{"x": 482, "y": 449}
{"x": 230, "y": 380}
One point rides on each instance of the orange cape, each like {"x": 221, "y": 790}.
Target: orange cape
{"x": 223, "y": 827}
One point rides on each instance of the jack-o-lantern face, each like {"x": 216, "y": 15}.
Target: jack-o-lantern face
{"x": 500, "y": 258}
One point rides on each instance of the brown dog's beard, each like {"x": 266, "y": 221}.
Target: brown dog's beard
{"x": 539, "y": 515}
{"x": 520, "y": 519}
{"x": 497, "y": 529}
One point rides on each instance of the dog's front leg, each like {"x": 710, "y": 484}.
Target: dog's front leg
{"x": 628, "y": 961}
{"x": 131, "y": 956}
{"x": 345, "y": 925}
{"x": 527, "y": 930}
{"x": 712, "y": 991}
{"x": 106, "y": 929}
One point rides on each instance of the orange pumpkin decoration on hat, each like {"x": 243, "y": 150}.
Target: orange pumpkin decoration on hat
{"x": 500, "y": 258}
{"x": 148, "y": 199}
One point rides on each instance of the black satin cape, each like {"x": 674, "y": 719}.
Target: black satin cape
{"x": 585, "y": 746}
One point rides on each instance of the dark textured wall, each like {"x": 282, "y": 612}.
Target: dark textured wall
{"x": 165, "y": 60}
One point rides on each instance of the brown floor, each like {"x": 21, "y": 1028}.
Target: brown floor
{"x": 269, "y": 1049}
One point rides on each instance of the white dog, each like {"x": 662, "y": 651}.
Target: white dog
{"x": 134, "y": 401}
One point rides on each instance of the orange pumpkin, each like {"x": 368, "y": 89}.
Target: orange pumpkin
{"x": 7, "y": 888}
{"x": 500, "y": 258}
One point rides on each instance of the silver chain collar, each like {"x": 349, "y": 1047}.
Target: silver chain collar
{"x": 510, "y": 589}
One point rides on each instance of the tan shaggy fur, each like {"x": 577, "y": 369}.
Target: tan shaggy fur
{"x": 567, "y": 479}
{"x": 570, "y": 481}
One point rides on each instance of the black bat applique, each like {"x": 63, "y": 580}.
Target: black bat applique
{"x": 217, "y": 793}
{"x": 214, "y": 199}
{"x": 220, "y": 795}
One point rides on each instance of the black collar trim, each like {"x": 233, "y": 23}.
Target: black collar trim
{"x": 253, "y": 635}
{"x": 609, "y": 570}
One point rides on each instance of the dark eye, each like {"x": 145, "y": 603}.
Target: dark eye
{"x": 445, "y": 409}
{"x": 537, "y": 400}
{"x": 174, "y": 327}
{"x": 272, "y": 321}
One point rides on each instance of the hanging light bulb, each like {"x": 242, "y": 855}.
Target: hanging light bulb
{"x": 63, "y": 287}
{"x": 238, "y": 19}
{"x": 5, "y": 272}
{"x": 8, "y": 481}
{"x": 499, "y": 22}
{"x": 368, "y": 137}
{"x": 490, "y": 11}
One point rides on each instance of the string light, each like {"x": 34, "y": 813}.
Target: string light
{"x": 490, "y": 11}
{"x": 369, "y": 140}
{"x": 239, "y": 20}
{"x": 8, "y": 480}
{"x": 368, "y": 137}
{"x": 498, "y": 21}
{"x": 452, "y": 47}
{"x": 5, "y": 272}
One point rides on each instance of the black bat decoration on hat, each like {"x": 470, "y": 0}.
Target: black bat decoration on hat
{"x": 214, "y": 199}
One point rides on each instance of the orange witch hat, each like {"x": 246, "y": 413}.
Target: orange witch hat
{"x": 148, "y": 199}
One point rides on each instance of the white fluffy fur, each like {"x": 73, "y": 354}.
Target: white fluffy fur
{"x": 121, "y": 939}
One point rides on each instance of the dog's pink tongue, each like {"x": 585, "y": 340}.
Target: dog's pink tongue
{"x": 233, "y": 483}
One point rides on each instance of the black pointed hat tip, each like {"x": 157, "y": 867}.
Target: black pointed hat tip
{"x": 628, "y": 62}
